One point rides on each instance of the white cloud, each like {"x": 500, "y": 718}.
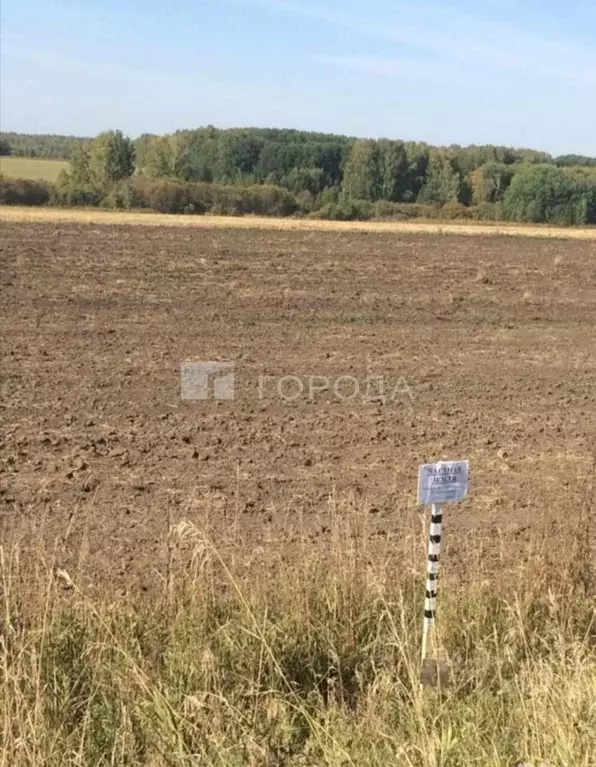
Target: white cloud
{"x": 474, "y": 44}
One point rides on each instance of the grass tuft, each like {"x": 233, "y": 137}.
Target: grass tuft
{"x": 316, "y": 663}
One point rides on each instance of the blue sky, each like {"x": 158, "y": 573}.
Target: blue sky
{"x": 514, "y": 72}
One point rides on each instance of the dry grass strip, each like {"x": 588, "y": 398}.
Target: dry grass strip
{"x": 97, "y": 216}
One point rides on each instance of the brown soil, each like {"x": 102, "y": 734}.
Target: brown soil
{"x": 493, "y": 338}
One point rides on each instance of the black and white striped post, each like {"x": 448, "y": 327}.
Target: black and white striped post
{"x": 432, "y": 574}
{"x": 438, "y": 484}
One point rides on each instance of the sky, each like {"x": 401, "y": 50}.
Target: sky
{"x": 512, "y": 72}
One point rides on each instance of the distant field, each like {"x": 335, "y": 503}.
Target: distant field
{"x": 31, "y": 167}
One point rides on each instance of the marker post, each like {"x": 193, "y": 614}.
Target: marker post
{"x": 432, "y": 574}
{"x": 438, "y": 484}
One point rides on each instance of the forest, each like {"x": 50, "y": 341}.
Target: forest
{"x": 291, "y": 172}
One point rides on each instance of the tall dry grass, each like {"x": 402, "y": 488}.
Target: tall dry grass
{"x": 97, "y": 216}
{"x": 314, "y": 663}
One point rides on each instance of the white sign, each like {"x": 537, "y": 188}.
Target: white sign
{"x": 443, "y": 482}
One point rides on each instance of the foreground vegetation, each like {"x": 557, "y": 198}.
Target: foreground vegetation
{"x": 284, "y": 172}
{"x": 311, "y": 663}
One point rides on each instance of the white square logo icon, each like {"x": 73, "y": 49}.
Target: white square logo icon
{"x": 207, "y": 380}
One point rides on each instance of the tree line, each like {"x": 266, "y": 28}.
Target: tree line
{"x": 40, "y": 145}
{"x": 285, "y": 172}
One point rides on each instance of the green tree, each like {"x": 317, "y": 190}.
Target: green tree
{"x": 310, "y": 180}
{"x": 142, "y": 146}
{"x": 418, "y": 161}
{"x": 202, "y": 156}
{"x": 395, "y": 168}
{"x": 548, "y": 194}
{"x": 157, "y": 157}
{"x": 363, "y": 176}
{"x": 111, "y": 159}
{"x": 490, "y": 181}
{"x": 239, "y": 153}
{"x": 79, "y": 166}
{"x": 442, "y": 181}
{"x": 576, "y": 159}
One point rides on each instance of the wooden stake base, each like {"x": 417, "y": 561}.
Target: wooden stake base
{"x": 435, "y": 672}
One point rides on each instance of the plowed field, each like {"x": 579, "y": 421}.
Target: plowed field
{"x": 486, "y": 347}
